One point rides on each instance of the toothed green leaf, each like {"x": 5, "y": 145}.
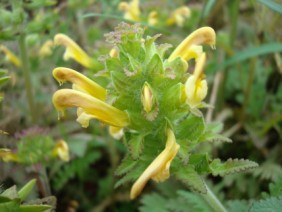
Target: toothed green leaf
{"x": 188, "y": 176}
{"x": 273, "y": 204}
{"x": 126, "y": 165}
{"x": 136, "y": 146}
{"x": 191, "y": 128}
{"x": 200, "y": 162}
{"x": 230, "y": 166}
{"x": 210, "y": 137}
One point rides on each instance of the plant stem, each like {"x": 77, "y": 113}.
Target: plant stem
{"x": 213, "y": 201}
{"x": 27, "y": 77}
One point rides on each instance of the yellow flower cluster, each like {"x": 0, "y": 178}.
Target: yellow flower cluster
{"x": 90, "y": 98}
{"x": 132, "y": 12}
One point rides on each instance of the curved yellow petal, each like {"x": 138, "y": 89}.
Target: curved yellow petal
{"x": 199, "y": 67}
{"x": 204, "y": 35}
{"x": 196, "y": 87}
{"x": 73, "y": 50}
{"x": 7, "y": 155}
{"x": 158, "y": 170}
{"x": 46, "y": 48}
{"x": 116, "y": 132}
{"x": 62, "y": 75}
{"x": 84, "y": 118}
{"x": 196, "y": 91}
{"x": 61, "y": 149}
{"x": 67, "y": 98}
{"x": 10, "y": 56}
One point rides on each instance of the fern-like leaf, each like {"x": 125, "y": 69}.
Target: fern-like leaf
{"x": 230, "y": 166}
{"x": 195, "y": 201}
{"x": 237, "y": 205}
{"x": 273, "y": 204}
{"x": 126, "y": 165}
{"x": 77, "y": 167}
{"x": 136, "y": 146}
{"x": 153, "y": 203}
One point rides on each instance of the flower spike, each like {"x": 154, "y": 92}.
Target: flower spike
{"x": 73, "y": 50}
{"x": 158, "y": 170}
{"x": 80, "y": 81}
{"x": 66, "y": 98}
{"x": 10, "y": 56}
{"x": 204, "y": 35}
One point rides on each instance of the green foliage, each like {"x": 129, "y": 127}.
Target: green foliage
{"x": 153, "y": 202}
{"x": 272, "y": 204}
{"x": 190, "y": 178}
{"x": 12, "y": 200}
{"x": 180, "y": 201}
{"x": 230, "y": 166}
{"x": 272, "y": 5}
{"x": 35, "y": 149}
{"x": 136, "y": 146}
{"x": 76, "y": 168}
{"x": 268, "y": 171}
{"x": 238, "y": 205}
{"x": 23, "y": 193}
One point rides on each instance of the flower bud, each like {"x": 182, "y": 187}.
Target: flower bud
{"x": 147, "y": 98}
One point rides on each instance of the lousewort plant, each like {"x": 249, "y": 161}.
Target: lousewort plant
{"x": 153, "y": 102}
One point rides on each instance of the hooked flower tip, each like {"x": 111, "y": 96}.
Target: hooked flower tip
{"x": 80, "y": 82}
{"x": 204, "y": 35}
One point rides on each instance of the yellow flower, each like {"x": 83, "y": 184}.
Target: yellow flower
{"x": 158, "y": 170}
{"x": 7, "y": 155}
{"x": 131, "y": 10}
{"x": 10, "y": 56}
{"x": 61, "y": 150}
{"x": 91, "y": 106}
{"x": 46, "y": 48}
{"x": 73, "y": 50}
{"x": 80, "y": 81}
{"x": 153, "y": 18}
{"x": 196, "y": 87}
{"x": 88, "y": 97}
{"x": 190, "y": 47}
{"x": 178, "y": 16}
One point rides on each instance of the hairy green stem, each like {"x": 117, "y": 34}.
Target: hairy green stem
{"x": 27, "y": 77}
{"x": 213, "y": 201}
